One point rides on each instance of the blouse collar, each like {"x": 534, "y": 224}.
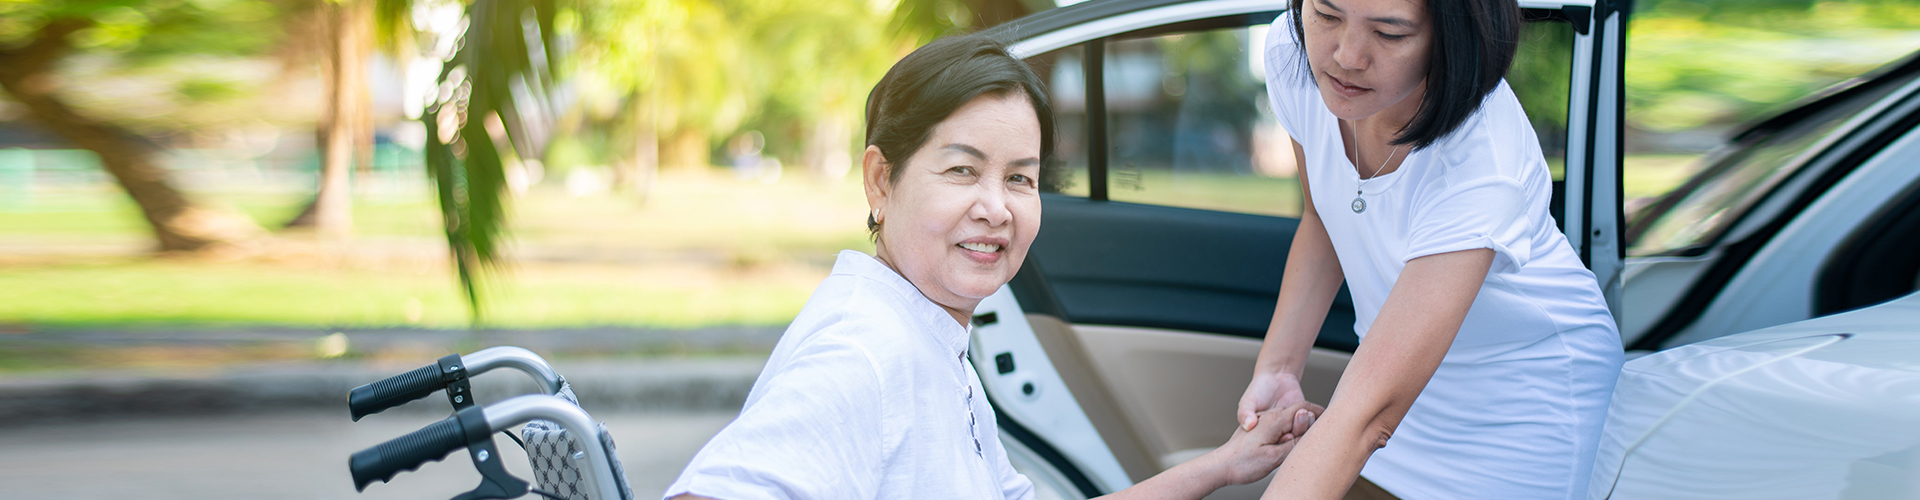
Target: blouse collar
{"x": 915, "y": 305}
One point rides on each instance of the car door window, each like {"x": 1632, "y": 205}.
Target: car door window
{"x": 1064, "y": 72}
{"x": 1541, "y": 77}
{"x": 1191, "y": 126}
{"x": 1687, "y": 220}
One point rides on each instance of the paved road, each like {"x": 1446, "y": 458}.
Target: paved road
{"x": 289, "y": 456}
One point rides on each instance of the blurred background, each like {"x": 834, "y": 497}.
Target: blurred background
{"x": 216, "y": 215}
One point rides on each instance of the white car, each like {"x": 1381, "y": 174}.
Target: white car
{"x": 1823, "y": 408}
{"x": 1126, "y": 340}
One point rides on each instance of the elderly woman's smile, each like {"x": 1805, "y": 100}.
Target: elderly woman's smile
{"x": 984, "y": 250}
{"x": 960, "y": 216}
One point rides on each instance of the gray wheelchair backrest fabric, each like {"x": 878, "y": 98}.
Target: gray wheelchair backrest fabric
{"x": 559, "y": 461}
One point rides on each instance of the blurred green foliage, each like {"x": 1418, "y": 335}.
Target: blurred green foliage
{"x": 1717, "y": 63}
{"x": 1539, "y": 78}
{"x": 163, "y": 67}
{"x": 681, "y": 69}
{"x": 155, "y": 30}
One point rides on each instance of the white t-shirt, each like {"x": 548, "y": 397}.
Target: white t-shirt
{"x": 1516, "y": 408}
{"x": 867, "y": 395}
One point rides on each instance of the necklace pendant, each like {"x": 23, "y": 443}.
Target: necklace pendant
{"x": 1359, "y": 204}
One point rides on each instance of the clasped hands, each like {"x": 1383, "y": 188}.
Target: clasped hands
{"x": 1273, "y": 415}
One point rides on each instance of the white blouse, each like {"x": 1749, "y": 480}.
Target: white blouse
{"x": 867, "y": 395}
{"x": 1516, "y": 408}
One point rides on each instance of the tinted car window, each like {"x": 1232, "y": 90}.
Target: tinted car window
{"x": 1191, "y": 126}
{"x": 1064, "y": 72}
{"x": 1693, "y": 216}
{"x": 1541, "y": 78}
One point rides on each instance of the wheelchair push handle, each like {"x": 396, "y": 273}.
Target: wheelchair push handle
{"x": 473, "y": 428}
{"x": 397, "y": 390}
{"x": 405, "y": 453}
{"x": 450, "y": 370}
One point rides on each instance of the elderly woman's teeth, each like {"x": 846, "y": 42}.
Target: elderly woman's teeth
{"x": 981, "y": 247}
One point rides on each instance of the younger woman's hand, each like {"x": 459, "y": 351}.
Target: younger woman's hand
{"x": 1253, "y": 454}
{"x": 1269, "y": 391}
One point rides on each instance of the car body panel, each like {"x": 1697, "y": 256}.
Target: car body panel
{"x": 1777, "y": 285}
{"x": 1139, "y": 19}
{"x": 1656, "y": 283}
{"x": 1823, "y": 408}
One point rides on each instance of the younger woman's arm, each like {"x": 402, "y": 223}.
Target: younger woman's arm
{"x": 1312, "y": 278}
{"x": 1415, "y": 327}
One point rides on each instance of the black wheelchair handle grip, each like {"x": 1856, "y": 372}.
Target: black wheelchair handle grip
{"x": 405, "y": 453}
{"x": 394, "y": 391}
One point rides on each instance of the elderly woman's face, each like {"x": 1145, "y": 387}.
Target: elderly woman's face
{"x": 1367, "y": 55}
{"x": 966, "y": 207}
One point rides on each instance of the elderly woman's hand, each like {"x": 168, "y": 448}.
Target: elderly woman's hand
{"x": 1253, "y": 454}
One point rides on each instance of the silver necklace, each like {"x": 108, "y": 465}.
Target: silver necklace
{"x": 1360, "y": 204}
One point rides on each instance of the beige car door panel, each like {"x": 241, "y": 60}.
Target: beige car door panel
{"x": 1160, "y": 395}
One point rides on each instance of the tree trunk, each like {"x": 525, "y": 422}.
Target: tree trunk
{"x": 346, "y": 128}
{"x": 179, "y": 225}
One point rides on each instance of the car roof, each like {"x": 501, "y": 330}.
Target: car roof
{"x": 1055, "y": 28}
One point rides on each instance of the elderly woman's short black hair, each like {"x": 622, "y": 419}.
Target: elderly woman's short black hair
{"x": 928, "y": 85}
{"x": 1473, "y": 46}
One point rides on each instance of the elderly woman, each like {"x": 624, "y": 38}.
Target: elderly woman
{"x": 869, "y": 393}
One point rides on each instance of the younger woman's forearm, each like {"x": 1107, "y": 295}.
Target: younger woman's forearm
{"x": 1325, "y": 463}
{"x": 1312, "y": 279}
{"x": 1409, "y": 340}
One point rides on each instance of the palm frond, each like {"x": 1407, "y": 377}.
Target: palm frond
{"x": 493, "y": 110}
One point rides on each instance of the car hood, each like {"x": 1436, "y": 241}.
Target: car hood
{"x": 1823, "y": 408}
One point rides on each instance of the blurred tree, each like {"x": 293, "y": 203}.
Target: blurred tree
{"x": 38, "y": 36}
{"x": 1540, "y": 78}
{"x": 668, "y": 74}
{"x": 346, "y": 122}
{"x": 1710, "y": 64}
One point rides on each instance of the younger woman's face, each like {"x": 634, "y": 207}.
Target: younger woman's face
{"x": 1368, "y": 55}
{"x": 966, "y": 207}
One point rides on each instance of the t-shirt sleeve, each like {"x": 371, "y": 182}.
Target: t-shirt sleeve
{"x": 1485, "y": 212}
{"x": 815, "y": 433}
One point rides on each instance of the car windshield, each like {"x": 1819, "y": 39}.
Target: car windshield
{"x": 1687, "y": 220}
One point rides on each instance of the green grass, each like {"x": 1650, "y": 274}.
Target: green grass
{"x": 1225, "y": 192}
{"x": 134, "y": 290}
{"x": 702, "y": 250}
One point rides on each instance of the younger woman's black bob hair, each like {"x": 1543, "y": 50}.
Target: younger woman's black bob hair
{"x": 928, "y": 85}
{"x": 1473, "y": 46}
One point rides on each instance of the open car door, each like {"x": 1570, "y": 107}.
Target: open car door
{"x": 1123, "y": 345}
